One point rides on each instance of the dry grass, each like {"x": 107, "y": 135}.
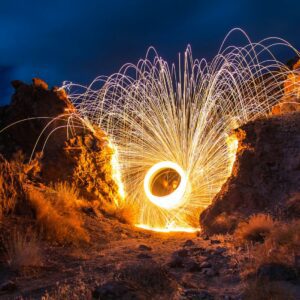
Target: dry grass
{"x": 265, "y": 290}
{"x": 57, "y": 214}
{"x": 78, "y": 291}
{"x": 124, "y": 212}
{"x": 11, "y": 189}
{"x": 67, "y": 196}
{"x": 22, "y": 249}
{"x": 256, "y": 229}
{"x": 281, "y": 245}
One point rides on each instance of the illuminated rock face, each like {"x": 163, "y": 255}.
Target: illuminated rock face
{"x": 266, "y": 173}
{"x": 290, "y": 101}
{"x": 78, "y": 155}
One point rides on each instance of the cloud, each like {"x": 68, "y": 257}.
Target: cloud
{"x": 79, "y": 40}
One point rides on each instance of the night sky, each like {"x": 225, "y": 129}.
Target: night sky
{"x": 75, "y": 40}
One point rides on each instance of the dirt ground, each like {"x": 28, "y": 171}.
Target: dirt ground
{"x": 122, "y": 262}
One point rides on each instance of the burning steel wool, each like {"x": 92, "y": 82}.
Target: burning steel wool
{"x": 171, "y": 125}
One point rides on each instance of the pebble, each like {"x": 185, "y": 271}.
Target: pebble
{"x": 188, "y": 243}
{"x": 144, "y": 248}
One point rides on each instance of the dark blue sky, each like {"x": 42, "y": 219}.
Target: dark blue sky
{"x": 76, "y": 40}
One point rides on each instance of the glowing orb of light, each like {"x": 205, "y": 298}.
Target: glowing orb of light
{"x": 173, "y": 181}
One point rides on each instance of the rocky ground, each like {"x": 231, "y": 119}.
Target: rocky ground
{"x": 134, "y": 264}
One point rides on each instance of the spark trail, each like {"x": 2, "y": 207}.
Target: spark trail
{"x": 155, "y": 113}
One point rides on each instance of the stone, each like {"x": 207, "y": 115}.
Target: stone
{"x": 144, "y": 248}
{"x": 276, "y": 272}
{"x": 188, "y": 243}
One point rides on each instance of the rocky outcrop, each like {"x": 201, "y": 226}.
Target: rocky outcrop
{"x": 266, "y": 173}
{"x": 265, "y": 176}
{"x": 47, "y": 126}
{"x": 290, "y": 101}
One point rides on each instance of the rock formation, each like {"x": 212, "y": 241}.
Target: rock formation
{"x": 266, "y": 173}
{"x": 64, "y": 146}
{"x": 290, "y": 101}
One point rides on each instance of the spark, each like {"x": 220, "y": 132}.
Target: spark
{"x": 181, "y": 117}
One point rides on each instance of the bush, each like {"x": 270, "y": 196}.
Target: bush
{"x": 256, "y": 229}
{"x": 281, "y": 246}
{"x": 57, "y": 214}
{"x": 11, "y": 187}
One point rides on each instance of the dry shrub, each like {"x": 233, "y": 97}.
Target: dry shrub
{"x": 22, "y": 249}
{"x": 126, "y": 213}
{"x": 67, "y": 196}
{"x": 57, "y": 214}
{"x": 78, "y": 291}
{"x": 256, "y": 229}
{"x": 262, "y": 290}
{"x": 281, "y": 246}
{"x": 11, "y": 188}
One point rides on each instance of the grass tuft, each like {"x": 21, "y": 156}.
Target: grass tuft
{"x": 57, "y": 213}
{"x": 256, "y": 229}
{"x": 22, "y": 249}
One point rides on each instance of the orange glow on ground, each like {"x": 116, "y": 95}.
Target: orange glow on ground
{"x": 169, "y": 228}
